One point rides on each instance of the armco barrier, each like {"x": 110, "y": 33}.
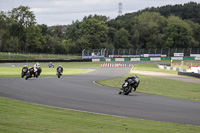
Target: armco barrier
{"x": 147, "y": 59}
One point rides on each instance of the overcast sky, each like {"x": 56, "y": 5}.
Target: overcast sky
{"x": 63, "y": 12}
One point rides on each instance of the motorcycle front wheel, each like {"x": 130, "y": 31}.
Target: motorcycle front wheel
{"x": 23, "y": 75}
{"x": 128, "y": 90}
{"x": 27, "y": 76}
{"x": 120, "y": 91}
{"x": 36, "y": 74}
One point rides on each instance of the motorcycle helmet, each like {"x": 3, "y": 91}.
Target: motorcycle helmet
{"x": 25, "y": 65}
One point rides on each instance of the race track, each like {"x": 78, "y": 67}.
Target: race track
{"x": 79, "y": 92}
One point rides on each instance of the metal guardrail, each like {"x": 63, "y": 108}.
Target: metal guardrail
{"x": 169, "y": 52}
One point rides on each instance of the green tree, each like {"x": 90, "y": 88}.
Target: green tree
{"x": 3, "y": 27}
{"x": 22, "y": 18}
{"x": 93, "y": 33}
{"x": 147, "y": 30}
{"x": 176, "y": 37}
{"x": 195, "y": 40}
{"x": 122, "y": 39}
{"x": 8, "y": 43}
{"x": 73, "y": 32}
{"x": 34, "y": 39}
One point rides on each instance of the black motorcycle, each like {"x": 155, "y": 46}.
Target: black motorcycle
{"x": 59, "y": 73}
{"x": 37, "y": 71}
{"x": 33, "y": 71}
{"x": 29, "y": 73}
{"x": 129, "y": 84}
{"x": 24, "y": 71}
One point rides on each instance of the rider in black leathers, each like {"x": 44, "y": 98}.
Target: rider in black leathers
{"x": 135, "y": 78}
{"x": 24, "y": 71}
{"x": 25, "y": 68}
{"x": 31, "y": 72}
{"x": 60, "y": 68}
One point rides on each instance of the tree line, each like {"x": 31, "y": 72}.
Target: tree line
{"x": 163, "y": 27}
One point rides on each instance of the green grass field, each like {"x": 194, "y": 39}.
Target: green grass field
{"x": 22, "y": 117}
{"x": 158, "y": 86}
{"x": 16, "y": 56}
{"x": 69, "y": 69}
{"x": 152, "y": 67}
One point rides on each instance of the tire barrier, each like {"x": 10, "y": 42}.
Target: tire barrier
{"x": 172, "y": 68}
{"x": 189, "y": 74}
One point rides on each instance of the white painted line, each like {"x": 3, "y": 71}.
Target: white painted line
{"x": 97, "y": 83}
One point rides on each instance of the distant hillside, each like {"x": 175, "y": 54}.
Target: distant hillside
{"x": 190, "y": 11}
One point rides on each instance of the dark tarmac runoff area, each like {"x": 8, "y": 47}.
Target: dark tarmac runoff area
{"x": 79, "y": 92}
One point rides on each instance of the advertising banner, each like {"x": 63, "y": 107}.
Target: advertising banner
{"x": 194, "y": 55}
{"x": 155, "y": 59}
{"x": 177, "y": 58}
{"x": 178, "y": 54}
{"x": 119, "y": 59}
{"x": 135, "y": 59}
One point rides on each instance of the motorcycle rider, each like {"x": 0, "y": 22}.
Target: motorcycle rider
{"x": 37, "y": 68}
{"x": 136, "y": 79}
{"x": 24, "y": 70}
{"x": 51, "y": 65}
{"x": 60, "y": 68}
{"x": 37, "y": 64}
{"x": 31, "y": 72}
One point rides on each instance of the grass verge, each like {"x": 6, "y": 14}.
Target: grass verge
{"x": 11, "y": 71}
{"x": 21, "y": 117}
{"x": 152, "y": 67}
{"x": 159, "y": 86}
{"x": 17, "y": 56}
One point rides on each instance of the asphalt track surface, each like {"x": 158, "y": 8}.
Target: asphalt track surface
{"x": 79, "y": 92}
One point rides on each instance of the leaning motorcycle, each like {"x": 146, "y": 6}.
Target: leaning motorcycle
{"x": 59, "y": 73}
{"x": 36, "y": 73}
{"x": 129, "y": 85}
{"x": 24, "y": 71}
{"x": 29, "y": 73}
